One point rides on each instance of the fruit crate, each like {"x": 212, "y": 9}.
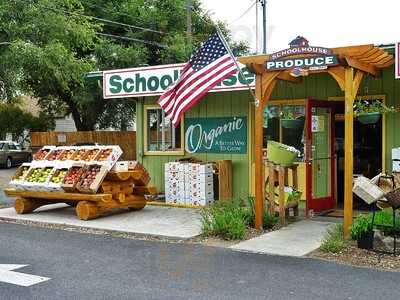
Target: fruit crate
{"x": 73, "y": 176}
{"x": 17, "y": 181}
{"x": 92, "y": 178}
{"x": 38, "y": 177}
{"x": 57, "y": 178}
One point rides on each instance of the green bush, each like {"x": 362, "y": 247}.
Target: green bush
{"x": 250, "y": 215}
{"x": 226, "y": 219}
{"x": 334, "y": 241}
{"x": 361, "y": 226}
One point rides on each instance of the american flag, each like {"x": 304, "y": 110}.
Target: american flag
{"x": 209, "y": 65}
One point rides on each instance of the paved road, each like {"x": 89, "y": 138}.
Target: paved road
{"x": 5, "y": 177}
{"x": 84, "y": 266}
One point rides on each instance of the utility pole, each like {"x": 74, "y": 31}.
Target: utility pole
{"x": 189, "y": 9}
{"x": 264, "y": 6}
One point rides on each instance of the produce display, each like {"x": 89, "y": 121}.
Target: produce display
{"x": 91, "y": 154}
{"x": 59, "y": 176}
{"x": 41, "y": 154}
{"x": 54, "y": 155}
{"x": 67, "y": 154}
{"x": 39, "y": 175}
{"x": 80, "y": 154}
{"x": 73, "y": 176}
{"x": 104, "y": 154}
{"x": 90, "y": 176}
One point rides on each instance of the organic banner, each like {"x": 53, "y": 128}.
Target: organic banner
{"x": 216, "y": 135}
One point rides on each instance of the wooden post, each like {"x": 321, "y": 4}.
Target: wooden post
{"x": 271, "y": 179}
{"x": 258, "y": 157}
{"x": 282, "y": 213}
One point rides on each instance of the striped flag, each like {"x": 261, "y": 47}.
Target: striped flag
{"x": 209, "y": 65}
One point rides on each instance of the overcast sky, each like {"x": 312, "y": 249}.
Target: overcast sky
{"x": 323, "y": 22}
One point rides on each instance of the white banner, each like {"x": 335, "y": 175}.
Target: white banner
{"x": 152, "y": 81}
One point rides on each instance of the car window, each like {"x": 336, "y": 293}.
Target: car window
{"x": 2, "y": 146}
{"x": 12, "y": 146}
{"x": 18, "y": 146}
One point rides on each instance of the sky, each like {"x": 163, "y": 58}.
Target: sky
{"x": 326, "y": 23}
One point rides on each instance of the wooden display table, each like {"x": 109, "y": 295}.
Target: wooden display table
{"x": 118, "y": 190}
{"x": 278, "y": 173}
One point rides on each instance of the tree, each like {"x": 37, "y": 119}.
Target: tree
{"x": 55, "y": 43}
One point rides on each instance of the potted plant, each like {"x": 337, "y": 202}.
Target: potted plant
{"x": 362, "y": 231}
{"x": 291, "y": 120}
{"x": 369, "y": 112}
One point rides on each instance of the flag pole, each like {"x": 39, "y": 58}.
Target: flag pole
{"x": 219, "y": 32}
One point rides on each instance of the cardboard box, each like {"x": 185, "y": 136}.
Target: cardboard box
{"x": 17, "y": 181}
{"x": 92, "y": 178}
{"x": 200, "y": 177}
{"x": 179, "y": 176}
{"x": 54, "y": 154}
{"x": 200, "y": 168}
{"x": 172, "y": 166}
{"x": 396, "y": 166}
{"x": 43, "y": 152}
{"x": 67, "y": 154}
{"x": 108, "y": 156}
{"x": 120, "y": 166}
{"x": 39, "y": 181}
{"x": 57, "y": 178}
{"x": 202, "y": 201}
{"x": 202, "y": 187}
{"x": 70, "y": 186}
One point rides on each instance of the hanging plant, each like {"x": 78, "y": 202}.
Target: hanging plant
{"x": 369, "y": 112}
{"x": 291, "y": 120}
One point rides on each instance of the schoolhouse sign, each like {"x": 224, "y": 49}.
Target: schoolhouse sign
{"x": 216, "y": 135}
{"x": 320, "y": 58}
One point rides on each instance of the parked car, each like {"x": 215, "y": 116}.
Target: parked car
{"x": 12, "y": 154}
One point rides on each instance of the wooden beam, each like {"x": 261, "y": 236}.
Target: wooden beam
{"x": 264, "y": 87}
{"x": 285, "y": 75}
{"x": 368, "y": 68}
{"x": 338, "y": 74}
{"x": 386, "y": 62}
{"x": 352, "y": 50}
{"x": 373, "y": 57}
{"x": 371, "y": 52}
{"x": 357, "y": 81}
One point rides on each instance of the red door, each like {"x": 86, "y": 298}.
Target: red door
{"x": 320, "y": 154}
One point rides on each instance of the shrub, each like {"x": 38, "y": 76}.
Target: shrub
{"x": 361, "y": 226}
{"x": 334, "y": 241}
{"x": 250, "y": 215}
{"x": 225, "y": 219}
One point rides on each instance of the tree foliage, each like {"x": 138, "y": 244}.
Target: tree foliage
{"x": 53, "y": 44}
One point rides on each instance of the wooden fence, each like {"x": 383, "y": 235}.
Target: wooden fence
{"x": 125, "y": 139}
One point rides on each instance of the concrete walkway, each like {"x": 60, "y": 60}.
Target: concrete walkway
{"x": 297, "y": 239}
{"x": 175, "y": 223}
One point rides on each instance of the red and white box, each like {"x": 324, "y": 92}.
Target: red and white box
{"x": 199, "y": 168}
{"x": 172, "y": 167}
{"x": 121, "y": 166}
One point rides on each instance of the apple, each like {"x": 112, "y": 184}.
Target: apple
{"x": 41, "y": 154}
{"x": 67, "y": 154}
{"x": 54, "y": 155}
{"x": 104, "y": 154}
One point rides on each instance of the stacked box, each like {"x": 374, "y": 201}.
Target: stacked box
{"x": 174, "y": 183}
{"x": 17, "y": 181}
{"x": 92, "y": 178}
{"x": 120, "y": 166}
{"x": 201, "y": 184}
{"x": 73, "y": 176}
{"x": 67, "y": 154}
{"x": 189, "y": 183}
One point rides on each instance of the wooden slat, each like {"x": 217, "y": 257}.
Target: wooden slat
{"x": 352, "y": 50}
{"x": 386, "y": 62}
{"x": 370, "y": 58}
{"x": 58, "y": 195}
{"x": 368, "y": 68}
{"x": 225, "y": 180}
{"x": 372, "y": 52}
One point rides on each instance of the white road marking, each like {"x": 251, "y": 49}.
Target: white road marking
{"x": 9, "y": 276}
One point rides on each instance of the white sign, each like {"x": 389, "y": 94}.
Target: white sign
{"x": 152, "y": 81}
{"x": 397, "y": 65}
{"x": 8, "y": 275}
{"x": 317, "y": 124}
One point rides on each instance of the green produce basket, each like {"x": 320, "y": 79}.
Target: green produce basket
{"x": 279, "y": 154}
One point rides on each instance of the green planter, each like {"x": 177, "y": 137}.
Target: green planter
{"x": 291, "y": 123}
{"x": 369, "y": 118}
{"x": 278, "y": 153}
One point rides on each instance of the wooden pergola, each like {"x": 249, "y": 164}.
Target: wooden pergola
{"x": 354, "y": 62}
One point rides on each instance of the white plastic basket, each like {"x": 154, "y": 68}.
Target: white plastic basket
{"x": 367, "y": 190}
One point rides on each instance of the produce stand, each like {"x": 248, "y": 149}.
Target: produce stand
{"x": 119, "y": 190}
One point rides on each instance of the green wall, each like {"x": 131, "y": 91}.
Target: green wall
{"x": 219, "y": 104}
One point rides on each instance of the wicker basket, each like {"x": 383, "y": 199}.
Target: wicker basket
{"x": 366, "y": 190}
{"x": 393, "y": 198}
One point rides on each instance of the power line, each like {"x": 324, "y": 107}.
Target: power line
{"x": 132, "y": 39}
{"x": 242, "y": 15}
{"x": 101, "y": 19}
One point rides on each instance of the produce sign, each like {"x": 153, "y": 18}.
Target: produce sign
{"x": 216, "y": 135}
{"x": 316, "y": 58}
{"x": 151, "y": 81}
